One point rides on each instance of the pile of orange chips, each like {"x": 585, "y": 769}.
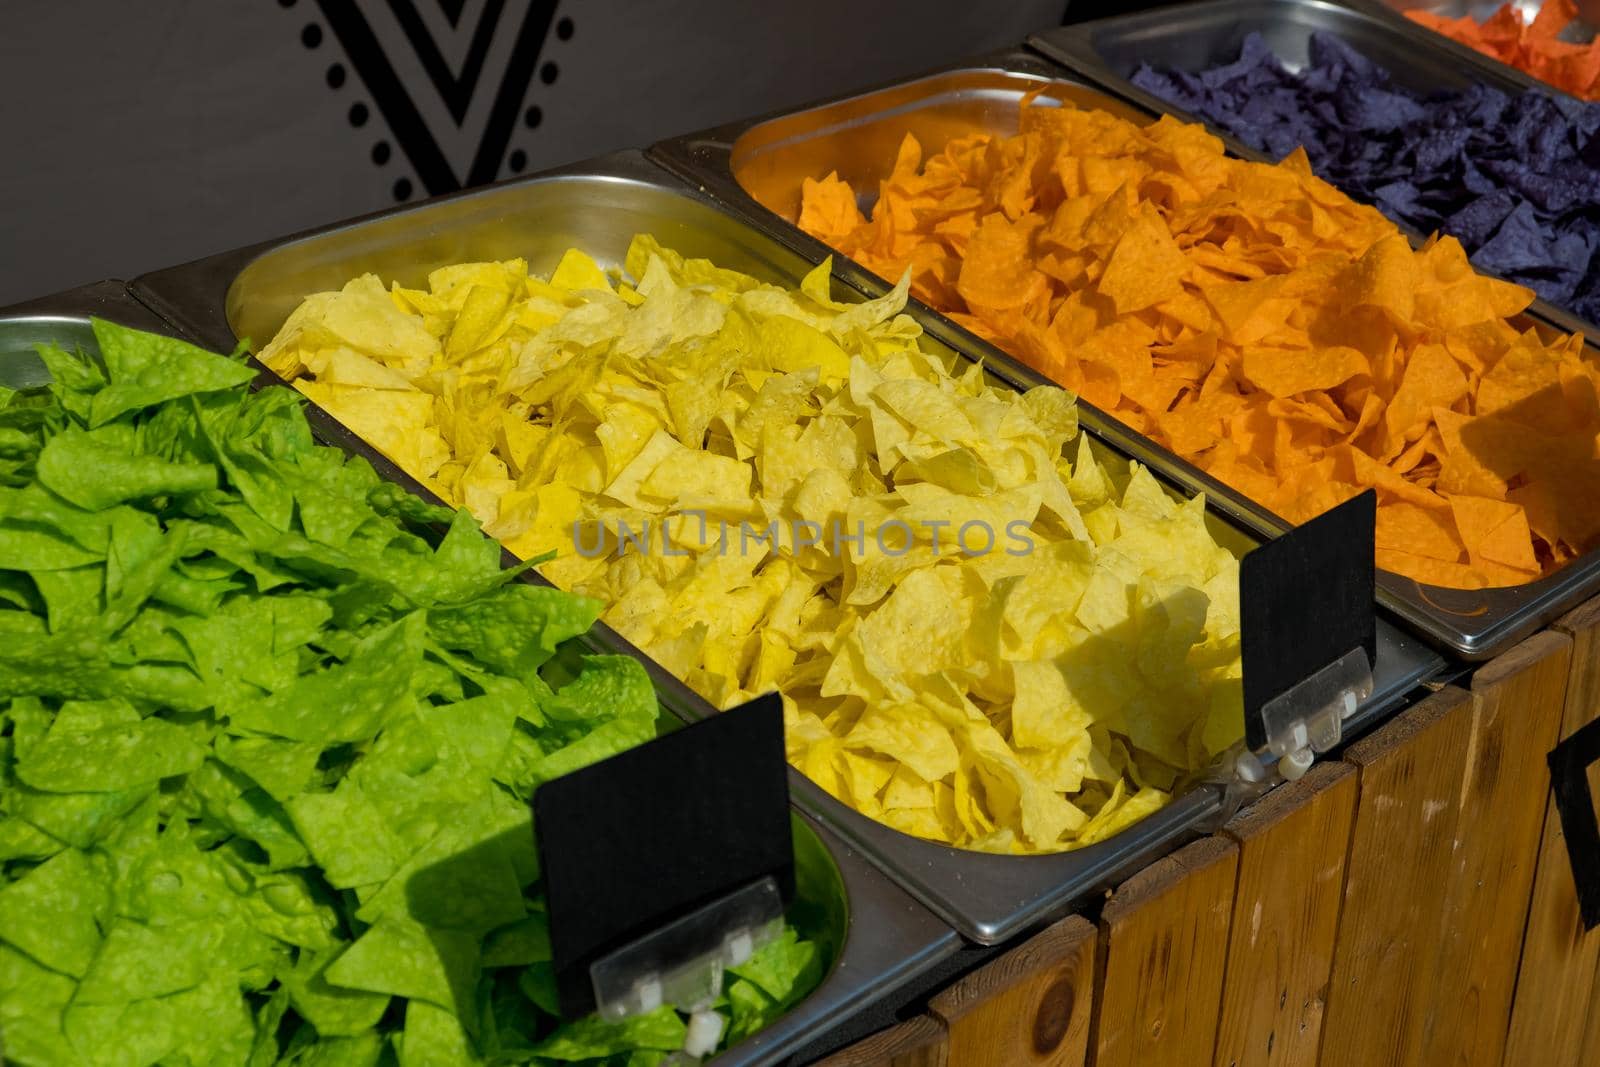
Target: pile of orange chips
{"x": 1534, "y": 47}
{"x": 1257, "y": 322}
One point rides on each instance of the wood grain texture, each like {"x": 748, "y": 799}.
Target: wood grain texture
{"x": 1556, "y": 980}
{"x": 1410, "y": 774}
{"x": 1520, "y": 696}
{"x": 918, "y": 1042}
{"x": 1292, "y": 850}
{"x": 1164, "y": 945}
{"x": 1028, "y": 1008}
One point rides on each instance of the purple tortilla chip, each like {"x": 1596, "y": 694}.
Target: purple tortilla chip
{"x": 1515, "y": 178}
{"x": 1474, "y": 224}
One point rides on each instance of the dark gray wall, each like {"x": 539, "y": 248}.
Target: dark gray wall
{"x": 142, "y": 133}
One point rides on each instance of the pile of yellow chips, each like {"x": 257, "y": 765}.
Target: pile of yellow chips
{"x": 1257, "y": 322}
{"x": 978, "y": 640}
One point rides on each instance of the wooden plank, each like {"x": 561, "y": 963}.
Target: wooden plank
{"x": 1164, "y": 945}
{"x": 1520, "y": 696}
{"x": 1030, "y": 1007}
{"x": 1409, "y": 780}
{"x": 918, "y": 1042}
{"x": 1557, "y": 977}
{"x": 1292, "y": 849}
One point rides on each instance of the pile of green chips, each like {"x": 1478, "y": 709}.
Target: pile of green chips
{"x": 267, "y": 742}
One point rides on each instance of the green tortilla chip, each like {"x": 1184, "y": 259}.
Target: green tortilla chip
{"x": 20, "y": 840}
{"x": 466, "y": 564}
{"x": 347, "y": 835}
{"x": 434, "y": 1036}
{"x": 291, "y": 907}
{"x": 87, "y": 716}
{"x": 394, "y": 502}
{"x": 138, "y": 558}
{"x": 523, "y": 942}
{"x": 33, "y": 547}
{"x": 123, "y": 1034}
{"x": 74, "y": 665}
{"x": 169, "y": 879}
{"x": 478, "y": 729}
{"x": 594, "y": 1038}
{"x": 606, "y": 687}
{"x": 463, "y": 879}
{"x": 514, "y": 629}
{"x": 32, "y": 1001}
{"x": 214, "y": 1023}
{"x": 169, "y": 685}
{"x": 74, "y": 379}
{"x": 207, "y": 1023}
{"x": 407, "y": 959}
{"x": 137, "y": 961}
{"x": 537, "y": 982}
{"x": 72, "y": 597}
{"x": 333, "y": 1010}
{"x": 79, "y": 819}
{"x": 51, "y": 913}
{"x": 604, "y": 741}
{"x": 749, "y": 1009}
{"x": 190, "y": 595}
{"x": 331, "y": 499}
{"x": 233, "y": 651}
{"x": 145, "y": 369}
{"x": 251, "y": 475}
{"x": 110, "y": 759}
{"x": 348, "y": 702}
{"x": 366, "y": 1050}
{"x": 79, "y": 468}
{"x": 282, "y": 768}
{"x": 269, "y": 1016}
{"x": 229, "y": 800}
{"x": 782, "y": 967}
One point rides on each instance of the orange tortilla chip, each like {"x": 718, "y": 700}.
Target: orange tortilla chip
{"x": 1433, "y": 379}
{"x": 829, "y": 206}
{"x": 1495, "y": 531}
{"x": 1420, "y": 531}
{"x": 997, "y": 272}
{"x": 1385, "y": 277}
{"x": 1439, "y": 572}
{"x": 1283, "y": 372}
{"x": 1145, "y": 268}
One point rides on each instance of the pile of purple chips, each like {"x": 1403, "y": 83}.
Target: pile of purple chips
{"x": 1515, "y": 178}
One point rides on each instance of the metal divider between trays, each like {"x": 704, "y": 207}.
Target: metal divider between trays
{"x": 1468, "y": 624}
{"x": 888, "y": 943}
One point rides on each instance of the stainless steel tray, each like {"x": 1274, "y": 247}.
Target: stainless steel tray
{"x": 988, "y": 898}
{"x": 882, "y": 939}
{"x": 755, "y": 166}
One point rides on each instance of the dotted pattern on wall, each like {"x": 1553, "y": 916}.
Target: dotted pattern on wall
{"x": 496, "y": 152}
